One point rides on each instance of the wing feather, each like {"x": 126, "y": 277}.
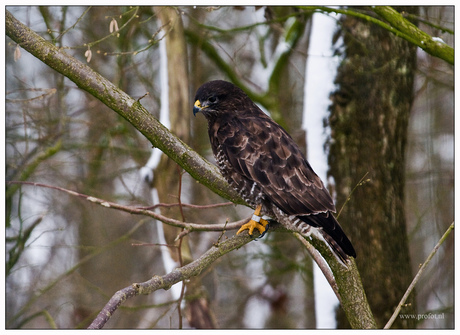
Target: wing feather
{"x": 260, "y": 150}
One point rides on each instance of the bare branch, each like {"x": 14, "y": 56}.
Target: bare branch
{"x": 321, "y": 264}
{"x": 189, "y": 205}
{"x": 417, "y": 276}
{"x": 141, "y": 211}
{"x": 165, "y": 282}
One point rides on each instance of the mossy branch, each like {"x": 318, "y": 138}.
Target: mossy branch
{"x": 397, "y": 24}
{"x": 350, "y": 289}
{"x": 410, "y": 32}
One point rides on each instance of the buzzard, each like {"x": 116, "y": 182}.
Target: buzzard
{"x": 261, "y": 161}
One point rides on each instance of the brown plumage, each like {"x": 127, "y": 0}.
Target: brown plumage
{"x": 264, "y": 164}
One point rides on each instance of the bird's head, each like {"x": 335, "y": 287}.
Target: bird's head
{"x": 217, "y": 97}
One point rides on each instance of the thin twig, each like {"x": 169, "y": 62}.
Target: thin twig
{"x": 321, "y": 264}
{"x": 114, "y": 33}
{"x": 182, "y": 290}
{"x": 73, "y": 26}
{"x": 417, "y": 277}
{"x": 184, "y": 232}
{"x": 181, "y": 209}
{"x": 179, "y": 249}
{"x": 221, "y": 234}
{"x": 362, "y": 181}
{"x": 139, "y": 211}
{"x": 189, "y": 205}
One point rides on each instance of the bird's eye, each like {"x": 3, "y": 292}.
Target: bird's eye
{"x": 212, "y": 99}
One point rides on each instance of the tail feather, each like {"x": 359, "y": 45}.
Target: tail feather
{"x": 333, "y": 234}
{"x": 335, "y": 247}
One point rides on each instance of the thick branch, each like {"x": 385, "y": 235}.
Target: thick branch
{"x": 350, "y": 288}
{"x": 123, "y": 104}
{"x": 398, "y": 25}
{"x": 413, "y": 34}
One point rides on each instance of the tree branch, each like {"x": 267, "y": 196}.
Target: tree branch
{"x": 398, "y": 25}
{"x": 142, "y": 211}
{"x": 417, "y": 277}
{"x": 165, "y": 282}
{"x": 130, "y": 109}
{"x": 350, "y": 288}
{"x": 321, "y": 264}
{"x": 410, "y": 32}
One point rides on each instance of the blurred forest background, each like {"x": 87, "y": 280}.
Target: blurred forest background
{"x": 66, "y": 257}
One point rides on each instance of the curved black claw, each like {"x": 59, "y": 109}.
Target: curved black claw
{"x": 265, "y": 231}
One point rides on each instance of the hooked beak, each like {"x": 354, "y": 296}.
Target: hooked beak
{"x": 197, "y": 107}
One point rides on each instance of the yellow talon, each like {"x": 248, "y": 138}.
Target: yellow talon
{"x": 253, "y": 224}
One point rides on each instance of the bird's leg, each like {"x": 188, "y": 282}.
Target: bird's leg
{"x": 256, "y": 222}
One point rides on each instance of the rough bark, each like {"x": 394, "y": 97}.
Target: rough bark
{"x": 368, "y": 120}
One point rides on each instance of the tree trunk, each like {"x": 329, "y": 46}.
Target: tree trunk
{"x": 198, "y": 313}
{"x": 368, "y": 119}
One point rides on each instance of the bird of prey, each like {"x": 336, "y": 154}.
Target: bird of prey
{"x": 261, "y": 161}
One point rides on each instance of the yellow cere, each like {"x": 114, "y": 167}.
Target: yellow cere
{"x": 198, "y": 104}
